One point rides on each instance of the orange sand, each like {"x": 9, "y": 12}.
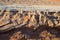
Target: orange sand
{"x": 54, "y": 0}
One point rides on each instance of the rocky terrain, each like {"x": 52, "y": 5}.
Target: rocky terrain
{"x": 29, "y": 25}
{"x": 32, "y": 19}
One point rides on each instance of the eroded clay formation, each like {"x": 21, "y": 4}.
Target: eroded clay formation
{"x": 10, "y": 19}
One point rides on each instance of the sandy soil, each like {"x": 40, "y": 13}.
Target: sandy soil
{"x": 31, "y": 2}
{"x": 54, "y": 0}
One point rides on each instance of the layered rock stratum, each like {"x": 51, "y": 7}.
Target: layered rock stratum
{"x": 30, "y": 25}
{"x": 30, "y": 2}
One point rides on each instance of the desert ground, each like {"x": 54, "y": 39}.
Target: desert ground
{"x": 30, "y": 2}
{"x": 27, "y": 25}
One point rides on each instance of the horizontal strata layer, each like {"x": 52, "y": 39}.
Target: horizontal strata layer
{"x": 30, "y": 2}
{"x": 31, "y": 19}
{"x": 30, "y": 8}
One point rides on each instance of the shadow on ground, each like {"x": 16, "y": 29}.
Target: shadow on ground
{"x": 42, "y": 32}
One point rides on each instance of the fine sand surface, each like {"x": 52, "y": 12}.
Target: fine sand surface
{"x": 31, "y": 2}
{"x": 54, "y": 0}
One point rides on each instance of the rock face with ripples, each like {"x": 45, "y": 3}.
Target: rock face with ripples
{"x": 31, "y": 19}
